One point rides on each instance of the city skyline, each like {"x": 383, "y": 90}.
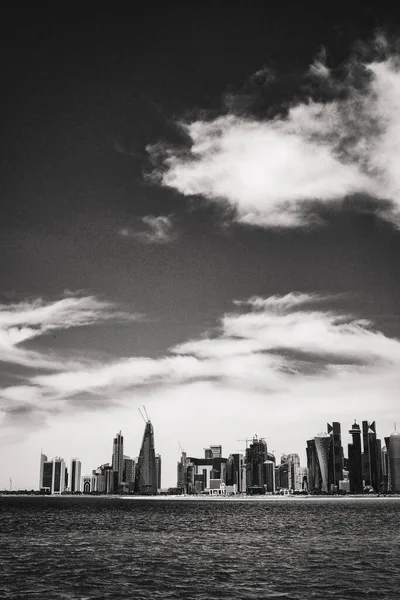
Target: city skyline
{"x": 201, "y": 216}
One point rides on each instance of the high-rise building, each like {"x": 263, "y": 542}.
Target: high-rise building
{"x": 269, "y": 476}
{"x": 234, "y": 471}
{"x": 43, "y": 459}
{"x": 146, "y": 471}
{"x": 355, "y": 460}
{"x": 335, "y": 465}
{"x": 256, "y": 455}
{"x": 216, "y": 451}
{"x": 394, "y": 461}
{"x": 118, "y": 457}
{"x": 322, "y": 444}
{"x": 158, "y": 470}
{"x": 75, "y": 475}
{"x": 313, "y": 470}
{"x": 47, "y": 476}
{"x": 371, "y": 456}
{"x": 58, "y": 479}
{"x": 129, "y": 470}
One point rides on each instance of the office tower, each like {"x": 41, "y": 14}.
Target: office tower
{"x": 313, "y": 470}
{"x": 371, "y": 456}
{"x": 129, "y": 470}
{"x": 75, "y": 472}
{"x": 117, "y": 457}
{"x": 269, "y": 476}
{"x": 47, "y": 476}
{"x": 322, "y": 445}
{"x": 335, "y": 465}
{"x": 284, "y": 477}
{"x": 234, "y": 471}
{"x": 394, "y": 461}
{"x": 355, "y": 461}
{"x": 256, "y": 455}
{"x": 146, "y": 471}
{"x": 43, "y": 459}
{"x": 296, "y": 472}
{"x": 158, "y": 471}
{"x": 388, "y": 478}
{"x": 58, "y": 479}
{"x": 66, "y": 479}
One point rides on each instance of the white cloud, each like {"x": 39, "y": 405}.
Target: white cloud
{"x": 272, "y": 170}
{"x": 152, "y": 230}
{"x": 25, "y": 321}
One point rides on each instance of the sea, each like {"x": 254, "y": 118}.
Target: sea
{"x": 277, "y": 548}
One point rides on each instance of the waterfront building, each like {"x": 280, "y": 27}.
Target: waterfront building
{"x": 47, "y": 476}
{"x": 313, "y": 470}
{"x": 269, "y": 476}
{"x": 335, "y": 463}
{"x": 158, "y": 470}
{"x": 58, "y": 476}
{"x": 256, "y": 455}
{"x": 75, "y": 470}
{"x": 355, "y": 460}
{"x": 88, "y": 484}
{"x": 146, "y": 471}
{"x": 129, "y": 470}
{"x": 118, "y": 457}
{"x": 234, "y": 471}
{"x": 43, "y": 459}
{"x": 371, "y": 457}
{"x": 322, "y": 445}
{"x": 394, "y": 461}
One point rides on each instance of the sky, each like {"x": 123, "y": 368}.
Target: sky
{"x": 200, "y": 214}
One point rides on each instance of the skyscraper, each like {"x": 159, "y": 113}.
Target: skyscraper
{"x": 75, "y": 475}
{"x": 58, "y": 479}
{"x": 43, "y": 459}
{"x": 355, "y": 460}
{"x": 256, "y": 455}
{"x": 371, "y": 456}
{"x": 394, "y": 461}
{"x": 118, "y": 457}
{"x": 47, "y": 476}
{"x": 313, "y": 470}
{"x": 335, "y": 465}
{"x": 146, "y": 471}
{"x": 158, "y": 470}
{"x": 322, "y": 444}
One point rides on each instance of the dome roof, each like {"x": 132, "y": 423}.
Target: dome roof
{"x": 395, "y": 434}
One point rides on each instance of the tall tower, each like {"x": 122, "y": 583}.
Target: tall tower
{"x": 146, "y": 471}
{"x": 256, "y": 455}
{"x": 118, "y": 457}
{"x": 394, "y": 461}
{"x": 75, "y": 476}
{"x": 313, "y": 470}
{"x": 335, "y": 454}
{"x": 43, "y": 459}
{"x": 58, "y": 479}
{"x": 158, "y": 470}
{"x": 355, "y": 460}
{"x": 322, "y": 444}
{"x": 371, "y": 456}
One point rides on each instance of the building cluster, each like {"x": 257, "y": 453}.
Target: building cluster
{"x": 124, "y": 475}
{"x": 368, "y": 467}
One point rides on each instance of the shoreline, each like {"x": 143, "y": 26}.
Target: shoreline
{"x": 205, "y": 498}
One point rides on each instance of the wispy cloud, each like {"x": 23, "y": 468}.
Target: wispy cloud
{"x": 281, "y": 346}
{"x": 25, "y": 321}
{"x": 274, "y": 170}
{"x": 152, "y": 230}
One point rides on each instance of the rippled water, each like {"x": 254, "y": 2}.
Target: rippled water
{"x": 279, "y": 548}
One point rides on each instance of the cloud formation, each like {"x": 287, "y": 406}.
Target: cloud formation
{"x": 25, "y": 321}
{"x": 274, "y": 170}
{"x": 152, "y": 230}
{"x": 283, "y": 347}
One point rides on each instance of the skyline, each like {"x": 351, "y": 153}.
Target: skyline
{"x": 213, "y": 233}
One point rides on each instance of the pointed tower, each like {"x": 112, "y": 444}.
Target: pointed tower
{"x": 146, "y": 471}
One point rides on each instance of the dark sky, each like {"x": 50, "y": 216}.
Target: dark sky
{"x": 84, "y": 91}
